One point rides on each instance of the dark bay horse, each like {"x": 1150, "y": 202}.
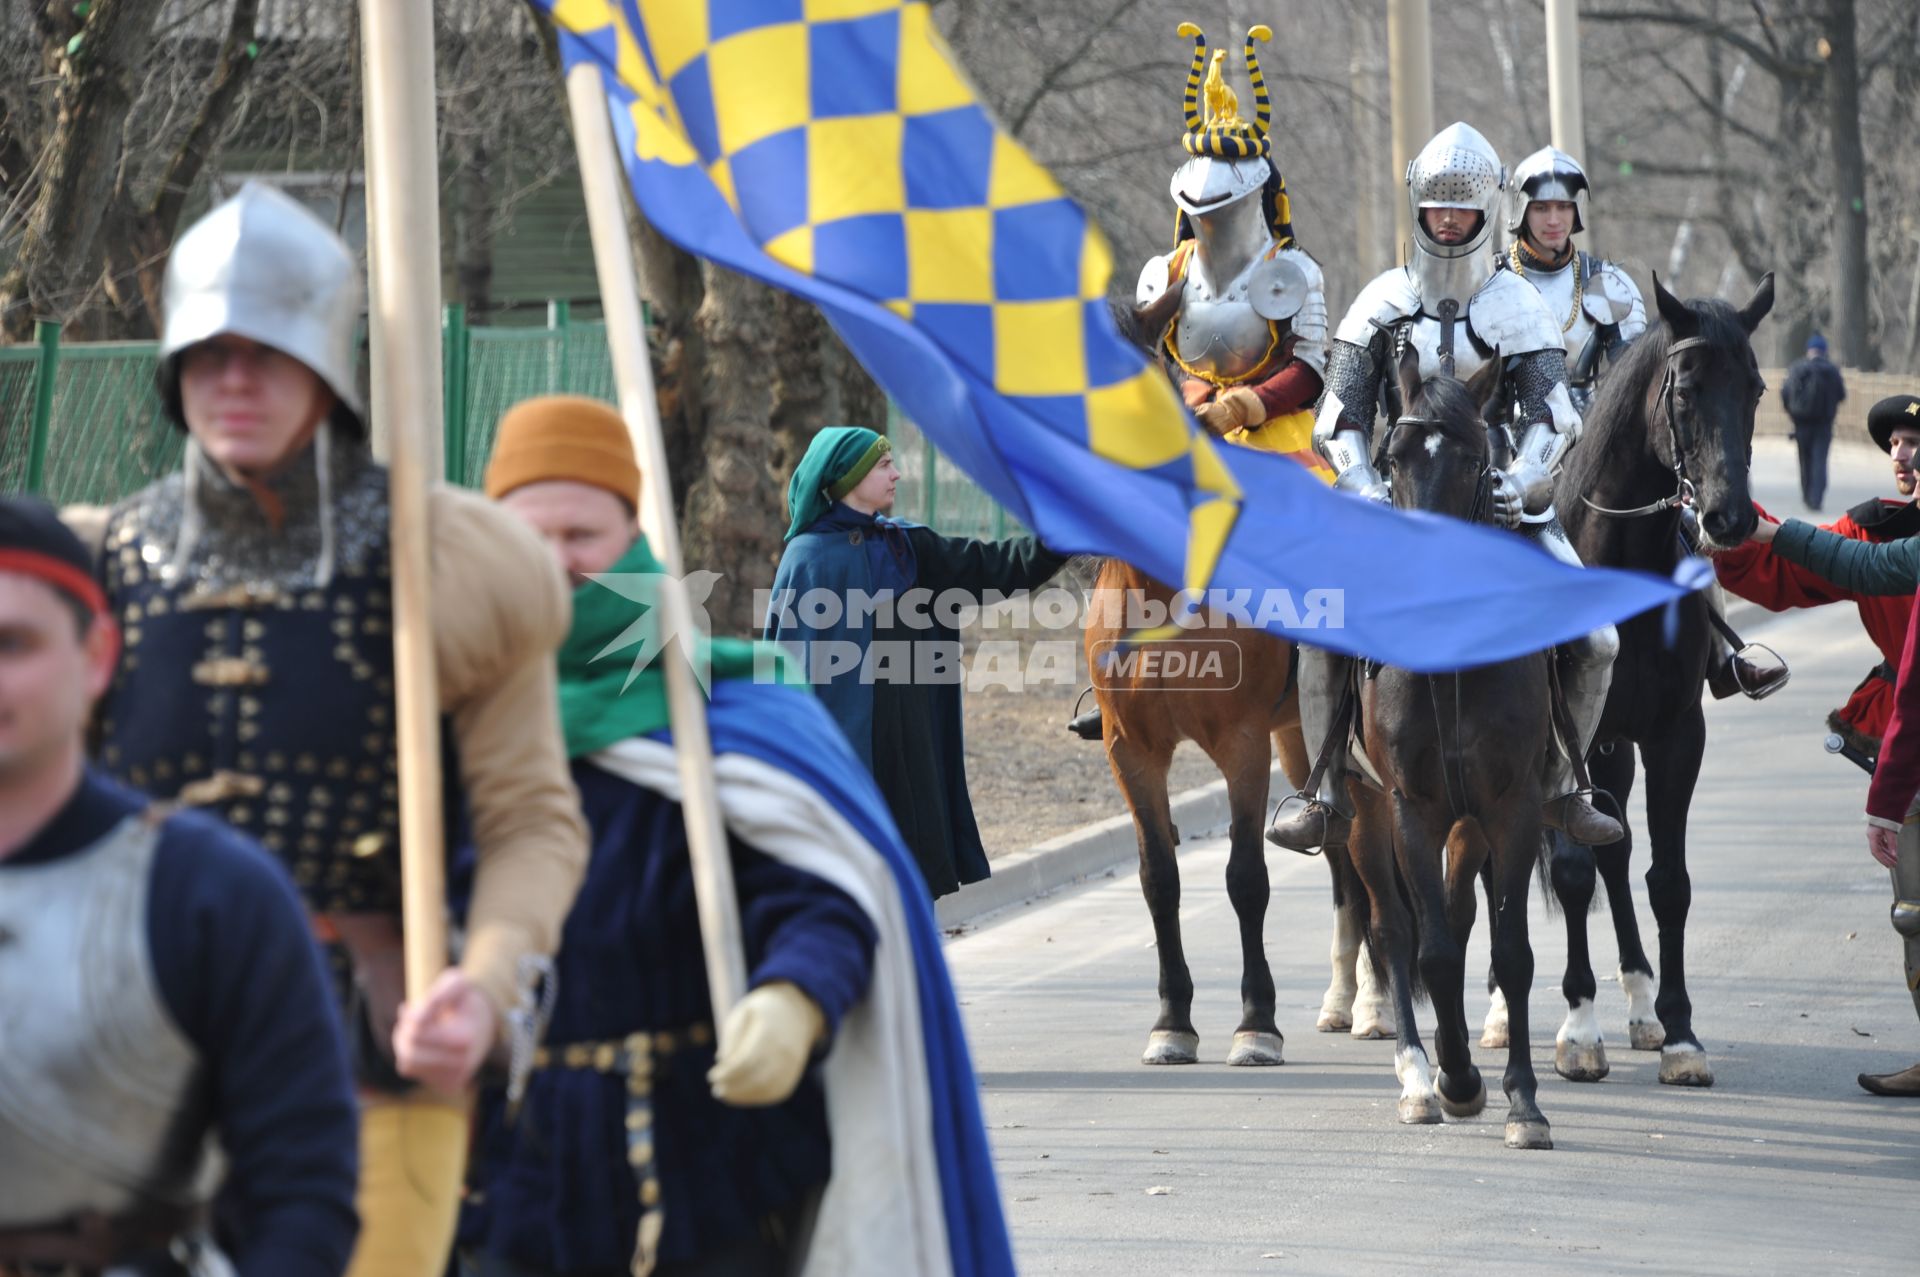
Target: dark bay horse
{"x": 1228, "y": 689}
{"x": 1671, "y": 428}
{"x": 1460, "y": 764}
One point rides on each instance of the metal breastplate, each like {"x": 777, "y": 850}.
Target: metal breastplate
{"x": 1223, "y": 338}
{"x": 269, "y": 704}
{"x": 1557, "y": 290}
{"x": 99, "y": 1104}
{"x": 1422, "y": 332}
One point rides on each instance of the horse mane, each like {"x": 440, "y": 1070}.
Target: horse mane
{"x": 1618, "y": 412}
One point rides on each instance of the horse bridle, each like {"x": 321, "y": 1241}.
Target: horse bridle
{"x": 1683, "y": 493}
{"x": 1483, "y": 494}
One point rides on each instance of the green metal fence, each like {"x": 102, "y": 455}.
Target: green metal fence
{"x": 83, "y": 422}
{"x": 934, "y": 491}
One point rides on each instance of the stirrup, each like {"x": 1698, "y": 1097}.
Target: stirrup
{"x": 1074, "y": 725}
{"x": 1589, "y": 795}
{"x": 1764, "y": 690}
{"x": 1307, "y": 802}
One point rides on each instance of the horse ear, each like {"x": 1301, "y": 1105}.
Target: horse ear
{"x": 1672, "y": 309}
{"x": 1409, "y": 374}
{"x": 1756, "y": 310}
{"x": 1484, "y": 384}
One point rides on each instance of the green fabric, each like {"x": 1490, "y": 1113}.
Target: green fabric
{"x": 836, "y": 461}
{"x": 603, "y": 699}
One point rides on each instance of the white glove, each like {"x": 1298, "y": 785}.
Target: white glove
{"x": 764, "y": 1046}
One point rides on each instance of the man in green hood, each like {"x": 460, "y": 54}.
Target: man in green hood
{"x": 853, "y": 599}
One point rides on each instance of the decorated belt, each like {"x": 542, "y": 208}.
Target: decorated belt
{"x": 633, "y": 1056}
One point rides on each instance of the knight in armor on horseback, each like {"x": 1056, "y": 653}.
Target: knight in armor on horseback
{"x": 1452, "y": 306}
{"x": 1602, "y": 308}
{"x": 1237, "y": 310}
{"x": 1603, "y": 314}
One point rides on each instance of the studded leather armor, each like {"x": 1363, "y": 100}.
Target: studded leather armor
{"x": 258, "y": 684}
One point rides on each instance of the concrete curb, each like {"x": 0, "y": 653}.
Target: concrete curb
{"x": 1085, "y": 853}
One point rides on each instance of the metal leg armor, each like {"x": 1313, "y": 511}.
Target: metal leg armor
{"x": 1324, "y": 817}
{"x": 1586, "y": 674}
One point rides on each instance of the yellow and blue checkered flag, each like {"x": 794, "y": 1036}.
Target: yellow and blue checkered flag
{"x": 832, "y": 148}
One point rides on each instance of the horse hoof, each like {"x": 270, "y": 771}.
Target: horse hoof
{"x": 1494, "y": 1037}
{"x": 1171, "y": 1046}
{"x": 1419, "y": 1110}
{"x": 1333, "y": 1022}
{"x": 1253, "y": 1049}
{"x": 1375, "y": 1025}
{"x": 1471, "y": 1107}
{"x": 1534, "y": 1134}
{"x": 1685, "y": 1066}
{"x": 1646, "y": 1035}
{"x": 1578, "y": 1062}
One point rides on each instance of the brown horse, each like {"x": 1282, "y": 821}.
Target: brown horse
{"x": 1229, "y": 689}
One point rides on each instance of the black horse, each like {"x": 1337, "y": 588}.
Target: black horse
{"x": 1459, "y": 764}
{"x": 1670, "y": 436}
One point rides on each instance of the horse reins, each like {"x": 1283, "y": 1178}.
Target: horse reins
{"x": 1683, "y": 492}
{"x": 1453, "y": 767}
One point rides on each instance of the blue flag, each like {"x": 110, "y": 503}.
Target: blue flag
{"x": 832, "y": 148}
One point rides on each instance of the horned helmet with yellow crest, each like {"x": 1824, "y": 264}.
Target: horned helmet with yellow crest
{"x": 1231, "y": 158}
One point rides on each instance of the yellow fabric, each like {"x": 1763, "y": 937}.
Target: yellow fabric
{"x": 413, "y": 1152}
{"x": 563, "y": 437}
{"x": 797, "y": 133}
{"x": 1290, "y": 435}
{"x": 500, "y": 610}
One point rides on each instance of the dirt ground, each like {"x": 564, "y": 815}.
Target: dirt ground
{"x": 1030, "y": 778}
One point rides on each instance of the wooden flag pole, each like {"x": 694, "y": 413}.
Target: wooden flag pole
{"x": 403, "y": 247}
{"x": 600, "y": 174}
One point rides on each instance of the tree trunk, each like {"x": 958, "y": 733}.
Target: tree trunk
{"x": 1850, "y": 283}
{"x": 471, "y": 216}
{"x": 58, "y": 261}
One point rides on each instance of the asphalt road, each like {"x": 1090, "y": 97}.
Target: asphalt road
{"x": 1108, "y": 1166}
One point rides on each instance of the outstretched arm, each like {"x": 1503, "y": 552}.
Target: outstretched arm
{"x": 1859, "y": 567}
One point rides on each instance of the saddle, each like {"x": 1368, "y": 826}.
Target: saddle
{"x": 1351, "y": 724}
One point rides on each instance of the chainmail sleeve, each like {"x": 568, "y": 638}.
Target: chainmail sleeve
{"x": 1535, "y": 374}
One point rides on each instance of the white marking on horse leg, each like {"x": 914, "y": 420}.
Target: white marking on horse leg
{"x": 1419, "y": 1104}
{"x": 1644, "y": 1031}
{"x": 1343, "y": 953}
{"x": 1578, "y": 1053}
{"x": 1493, "y": 1034}
{"x": 1372, "y": 1009}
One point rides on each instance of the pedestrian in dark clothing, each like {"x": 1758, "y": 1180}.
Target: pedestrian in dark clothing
{"x": 890, "y": 673}
{"x": 1812, "y": 395}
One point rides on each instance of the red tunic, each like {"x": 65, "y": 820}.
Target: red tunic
{"x": 1756, "y": 573}
{"x": 1897, "y": 776}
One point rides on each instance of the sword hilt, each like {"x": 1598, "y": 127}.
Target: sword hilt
{"x": 1837, "y": 744}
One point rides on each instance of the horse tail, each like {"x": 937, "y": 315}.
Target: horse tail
{"x": 1377, "y": 946}
{"x": 1543, "y": 869}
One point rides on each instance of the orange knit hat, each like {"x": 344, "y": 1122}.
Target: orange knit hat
{"x": 563, "y": 437}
